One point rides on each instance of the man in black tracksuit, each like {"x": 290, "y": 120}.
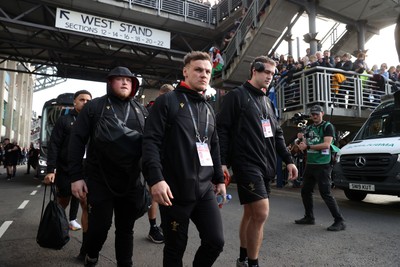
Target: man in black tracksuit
{"x": 181, "y": 163}
{"x": 57, "y": 161}
{"x": 250, "y": 136}
{"x": 112, "y": 165}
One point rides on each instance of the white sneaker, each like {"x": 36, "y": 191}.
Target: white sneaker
{"x": 241, "y": 263}
{"x": 74, "y": 225}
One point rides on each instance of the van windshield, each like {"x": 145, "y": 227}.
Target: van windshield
{"x": 381, "y": 126}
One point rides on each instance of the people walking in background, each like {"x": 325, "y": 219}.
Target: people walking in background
{"x": 33, "y": 157}
{"x": 181, "y": 164}
{"x": 113, "y": 187}
{"x": 57, "y": 166}
{"x": 317, "y": 141}
{"x": 16, "y": 158}
{"x": 250, "y": 139}
{"x": 10, "y": 157}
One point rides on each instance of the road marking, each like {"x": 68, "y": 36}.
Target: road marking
{"x": 33, "y": 192}
{"x": 22, "y": 206}
{"x": 4, "y": 227}
{"x": 39, "y": 186}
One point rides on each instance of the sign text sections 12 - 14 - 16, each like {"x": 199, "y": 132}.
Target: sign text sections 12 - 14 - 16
{"x": 85, "y": 23}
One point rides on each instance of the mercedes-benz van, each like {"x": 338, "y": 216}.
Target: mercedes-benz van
{"x": 370, "y": 164}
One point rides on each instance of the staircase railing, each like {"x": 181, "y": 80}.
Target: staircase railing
{"x": 320, "y": 85}
{"x": 333, "y": 35}
{"x": 250, "y": 20}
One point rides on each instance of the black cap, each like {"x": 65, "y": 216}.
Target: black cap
{"x": 316, "y": 109}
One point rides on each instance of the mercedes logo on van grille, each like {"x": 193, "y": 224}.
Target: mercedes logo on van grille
{"x": 360, "y": 162}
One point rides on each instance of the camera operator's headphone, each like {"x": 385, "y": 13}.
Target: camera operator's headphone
{"x": 260, "y": 67}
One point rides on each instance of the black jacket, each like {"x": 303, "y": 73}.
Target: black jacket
{"x": 83, "y": 131}
{"x": 344, "y": 65}
{"x": 57, "y": 149}
{"x": 242, "y": 142}
{"x": 169, "y": 145}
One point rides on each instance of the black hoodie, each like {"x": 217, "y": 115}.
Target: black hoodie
{"x": 169, "y": 151}
{"x": 244, "y": 147}
{"x": 57, "y": 150}
{"x": 83, "y": 131}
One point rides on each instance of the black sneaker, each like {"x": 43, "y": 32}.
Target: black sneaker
{"x": 81, "y": 256}
{"x": 305, "y": 220}
{"x": 337, "y": 226}
{"x": 155, "y": 235}
{"x": 90, "y": 262}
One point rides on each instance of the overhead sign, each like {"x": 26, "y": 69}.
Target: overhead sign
{"x": 94, "y": 25}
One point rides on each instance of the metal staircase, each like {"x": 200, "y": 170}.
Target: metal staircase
{"x": 260, "y": 29}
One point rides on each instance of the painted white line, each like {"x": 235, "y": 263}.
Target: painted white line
{"x": 33, "y": 192}
{"x": 39, "y": 186}
{"x": 4, "y": 227}
{"x": 22, "y": 206}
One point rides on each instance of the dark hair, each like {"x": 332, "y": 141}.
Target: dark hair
{"x": 195, "y": 55}
{"x": 82, "y": 92}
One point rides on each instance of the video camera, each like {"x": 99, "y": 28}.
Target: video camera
{"x": 301, "y": 120}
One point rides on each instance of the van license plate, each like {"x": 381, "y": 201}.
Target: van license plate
{"x": 363, "y": 187}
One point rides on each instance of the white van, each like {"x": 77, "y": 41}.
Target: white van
{"x": 370, "y": 164}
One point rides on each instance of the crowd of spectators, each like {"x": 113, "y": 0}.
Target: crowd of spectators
{"x": 340, "y": 83}
{"x": 288, "y": 66}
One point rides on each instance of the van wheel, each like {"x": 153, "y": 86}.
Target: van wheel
{"x": 355, "y": 195}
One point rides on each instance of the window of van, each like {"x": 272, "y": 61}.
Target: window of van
{"x": 381, "y": 126}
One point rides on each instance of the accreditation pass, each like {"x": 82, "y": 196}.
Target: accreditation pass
{"x": 204, "y": 154}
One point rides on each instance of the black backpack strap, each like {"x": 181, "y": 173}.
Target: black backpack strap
{"x": 211, "y": 109}
{"x": 245, "y": 100}
{"x": 173, "y": 106}
{"x": 144, "y": 113}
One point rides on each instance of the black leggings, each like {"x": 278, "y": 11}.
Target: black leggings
{"x": 206, "y": 215}
{"x": 101, "y": 206}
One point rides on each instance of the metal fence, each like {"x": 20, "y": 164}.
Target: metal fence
{"x": 192, "y": 9}
{"x": 325, "y": 85}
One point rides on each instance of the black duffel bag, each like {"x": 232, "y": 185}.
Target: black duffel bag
{"x": 53, "y": 229}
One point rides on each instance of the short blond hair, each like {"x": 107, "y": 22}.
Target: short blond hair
{"x": 165, "y": 88}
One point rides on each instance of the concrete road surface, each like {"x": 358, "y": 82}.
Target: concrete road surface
{"x": 372, "y": 237}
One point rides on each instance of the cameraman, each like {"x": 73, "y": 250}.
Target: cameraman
{"x": 317, "y": 140}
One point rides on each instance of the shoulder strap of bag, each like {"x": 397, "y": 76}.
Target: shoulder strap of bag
{"x": 173, "y": 105}
{"x": 245, "y": 100}
{"x": 52, "y": 194}
{"x": 133, "y": 102}
{"x": 44, "y": 201}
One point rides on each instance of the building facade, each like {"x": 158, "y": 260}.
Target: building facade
{"x": 16, "y": 96}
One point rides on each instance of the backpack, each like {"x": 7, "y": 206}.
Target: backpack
{"x": 53, "y": 229}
